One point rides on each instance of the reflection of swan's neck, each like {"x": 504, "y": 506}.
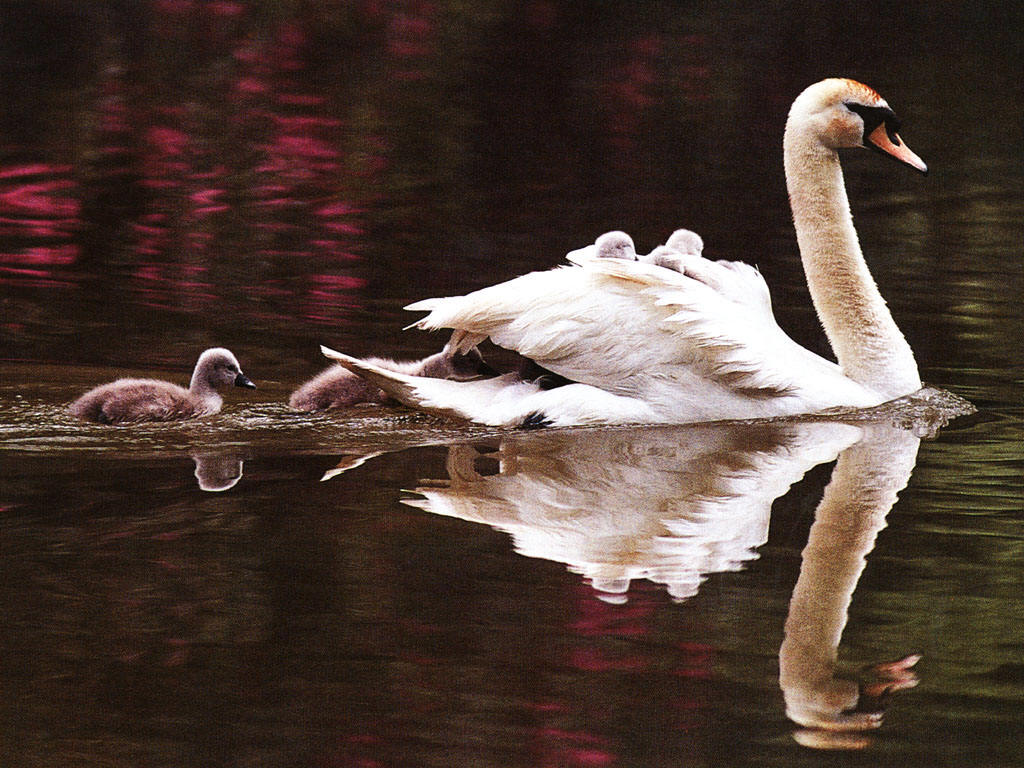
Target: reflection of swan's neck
{"x": 864, "y": 485}
{"x": 868, "y": 345}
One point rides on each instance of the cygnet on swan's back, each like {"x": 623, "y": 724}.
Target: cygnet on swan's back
{"x": 610, "y": 245}
{"x": 337, "y": 387}
{"x": 127, "y": 400}
{"x": 681, "y": 246}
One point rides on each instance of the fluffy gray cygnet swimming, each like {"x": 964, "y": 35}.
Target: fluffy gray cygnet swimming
{"x": 337, "y": 387}
{"x": 130, "y": 400}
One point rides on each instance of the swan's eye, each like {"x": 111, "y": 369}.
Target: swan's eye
{"x": 874, "y": 117}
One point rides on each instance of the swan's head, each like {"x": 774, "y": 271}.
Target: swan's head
{"x": 217, "y": 367}
{"x": 843, "y": 113}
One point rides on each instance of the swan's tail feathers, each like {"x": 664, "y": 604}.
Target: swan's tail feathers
{"x": 425, "y": 305}
{"x": 399, "y": 385}
{"x": 472, "y": 400}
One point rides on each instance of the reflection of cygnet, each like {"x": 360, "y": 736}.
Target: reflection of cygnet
{"x": 217, "y": 472}
{"x": 336, "y": 387}
{"x": 128, "y": 400}
{"x": 610, "y": 245}
{"x": 673, "y": 254}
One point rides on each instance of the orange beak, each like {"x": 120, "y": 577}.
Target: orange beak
{"x": 895, "y": 148}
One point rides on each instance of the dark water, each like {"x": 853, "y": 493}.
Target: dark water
{"x": 380, "y": 588}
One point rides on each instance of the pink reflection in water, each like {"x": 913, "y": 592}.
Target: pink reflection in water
{"x": 411, "y": 37}
{"x": 301, "y": 163}
{"x": 611, "y": 650}
{"x": 628, "y": 90}
{"x": 58, "y": 255}
{"x": 631, "y": 86}
{"x": 274, "y": 178}
{"x": 201, "y": 206}
{"x": 39, "y": 217}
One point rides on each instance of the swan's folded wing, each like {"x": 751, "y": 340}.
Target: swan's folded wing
{"x": 626, "y": 326}
{"x": 493, "y": 401}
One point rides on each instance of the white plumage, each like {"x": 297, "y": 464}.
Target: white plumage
{"x": 675, "y": 337}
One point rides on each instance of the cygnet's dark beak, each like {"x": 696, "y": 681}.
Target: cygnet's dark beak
{"x": 241, "y": 381}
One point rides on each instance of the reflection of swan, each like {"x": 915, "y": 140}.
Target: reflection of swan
{"x": 153, "y": 400}
{"x": 674, "y": 504}
{"x": 653, "y": 345}
{"x": 852, "y": 511}
{"x": 670, "y": 504}
{"x": 217, "y": 472}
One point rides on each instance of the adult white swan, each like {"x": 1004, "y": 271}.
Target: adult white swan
{"x": 646, "y": 344}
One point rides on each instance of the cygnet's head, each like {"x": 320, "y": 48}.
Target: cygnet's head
{"x": 610, "y": 245}
{"x": 685, "y": 242}
{"x": 615, "y": 245}
{"x": 469, "y": 365}
{"x": 458, "y": 366}
{"x": 217, "y": 368}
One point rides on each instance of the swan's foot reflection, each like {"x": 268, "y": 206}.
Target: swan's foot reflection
{"x": 347, "y": 462}
{"x": 850, "y": 730}
{"x": 841, "y": 706}
{"x": 887, "y": 679}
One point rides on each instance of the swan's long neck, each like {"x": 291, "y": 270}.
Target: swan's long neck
{"x": 868, "y": 346}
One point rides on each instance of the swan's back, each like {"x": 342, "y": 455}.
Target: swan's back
{"x": 682, "y": 345}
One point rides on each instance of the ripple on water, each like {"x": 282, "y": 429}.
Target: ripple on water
{"x": 264, "y": 428}
{"x": 28, "y": 425}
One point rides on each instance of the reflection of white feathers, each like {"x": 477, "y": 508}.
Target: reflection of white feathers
{"x": 671, "y": 504}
